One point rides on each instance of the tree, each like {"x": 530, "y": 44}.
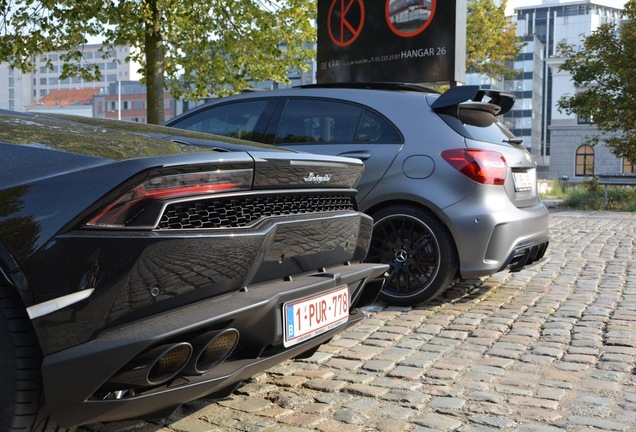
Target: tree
{"x": 604, "y": 73}
{"x": 192, "y": 48}
{"x": 491, "y": 39}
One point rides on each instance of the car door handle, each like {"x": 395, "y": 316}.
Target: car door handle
{"x": 362, "y": 155}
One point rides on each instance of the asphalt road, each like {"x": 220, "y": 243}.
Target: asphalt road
{"x": 551, "y": 348}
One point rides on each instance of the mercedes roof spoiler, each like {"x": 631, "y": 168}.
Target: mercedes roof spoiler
{"x": 380, "y": 85}
{"x": 460, "y": 94}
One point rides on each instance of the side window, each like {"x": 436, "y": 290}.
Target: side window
{"x": 237, "y": 119}
{"x": 374, "y": 128}
{"x": 312, "y": 120}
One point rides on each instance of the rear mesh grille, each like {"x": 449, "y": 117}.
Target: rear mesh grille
{"x": 237, "y": 212}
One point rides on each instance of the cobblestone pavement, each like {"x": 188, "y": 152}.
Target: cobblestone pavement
{"x": 550, "y": 348}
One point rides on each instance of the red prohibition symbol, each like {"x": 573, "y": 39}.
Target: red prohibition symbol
{"x": 344, "y": 29}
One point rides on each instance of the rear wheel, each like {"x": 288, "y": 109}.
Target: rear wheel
{"x": 21, "y": 399}
{"x": 420, "y": 251}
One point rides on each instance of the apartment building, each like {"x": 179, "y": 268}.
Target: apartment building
{"x": 20, "y": 90}
{"x": 126, "y": 100}
{"x": 15, "y": 88}
{"x": 557, "y": 140}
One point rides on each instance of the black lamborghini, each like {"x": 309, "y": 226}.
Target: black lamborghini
{"x": 140, "y": 270}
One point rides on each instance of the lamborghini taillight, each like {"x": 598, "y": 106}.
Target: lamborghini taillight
{"x": 135, "y": 207}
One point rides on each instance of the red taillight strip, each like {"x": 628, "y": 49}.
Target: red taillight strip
{"x": 132, "y": 203}
{"x": 190, "y": 190}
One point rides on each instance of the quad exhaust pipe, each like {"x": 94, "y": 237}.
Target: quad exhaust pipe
{"x": 165, "y": 362}
{"x": 154, "y": 367}
{"x": 210, "y": 349}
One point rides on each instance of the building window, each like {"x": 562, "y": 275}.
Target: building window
{"x": 580, "y": 119}
{"x": 138, "y": 105}
{"x": 629, "y": 167}
{"x": 584, "y": 161}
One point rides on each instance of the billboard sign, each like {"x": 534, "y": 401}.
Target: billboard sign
{"x": 421, "y": 41}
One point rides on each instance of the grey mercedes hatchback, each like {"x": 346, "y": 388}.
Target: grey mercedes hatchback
{"x": 452, "y": 192}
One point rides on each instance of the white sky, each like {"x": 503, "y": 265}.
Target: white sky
{"x": 512, "y": 4}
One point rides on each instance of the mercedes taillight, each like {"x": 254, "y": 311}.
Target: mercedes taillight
{"x": 483, "y": 166}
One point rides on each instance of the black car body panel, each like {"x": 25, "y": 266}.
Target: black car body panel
{"x": 102, "y": 295}
{"x": 254, "y": 312}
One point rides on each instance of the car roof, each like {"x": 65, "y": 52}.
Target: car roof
{"x": 375, "y": 86}
{"x": 500, "y": 101}
{"x": 494, "y": 101}
{"x": 111, "y": 139}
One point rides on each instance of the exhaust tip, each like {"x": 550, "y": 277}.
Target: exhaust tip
{"x": 153, "y": 367}
{"x": 210, "y": 349}
{"x": 170, "y": 363}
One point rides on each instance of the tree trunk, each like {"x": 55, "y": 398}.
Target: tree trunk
{"x": 154, "y": 66}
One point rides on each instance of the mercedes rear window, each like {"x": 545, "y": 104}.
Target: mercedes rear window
{"x": 483, "y": 126}
{"x": 477, "y": 124}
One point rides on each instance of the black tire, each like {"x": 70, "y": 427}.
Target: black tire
{"x": 420, "y": 251}
{"x": 21, "y": 398}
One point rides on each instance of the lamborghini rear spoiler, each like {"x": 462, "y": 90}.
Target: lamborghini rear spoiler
{"x": 500, "y": 100}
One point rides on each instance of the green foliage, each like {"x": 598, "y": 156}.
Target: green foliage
{"x": 556, "y": 190}
{"x": 591, "y": 196}
{"x": 583, "y": 200}
{"x": 604, "y": 70}
{"x": 592, "y": 185}
{"x": 215, "y": 45}
{"x": 490, "y": 39}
